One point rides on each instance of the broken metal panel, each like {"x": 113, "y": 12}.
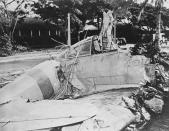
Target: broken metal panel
{"x": 83, "y": 48}
{"x": 106, "y": 120}
{"x": 109, "y": 69}
{"x": 84, "y": 73}
{"x": 49, "y": 69}
{"x": 43, "y": 114}
{"x": 42, "y": 82}
{"x": 21, "y": 88}
{"x": 136, "y": 69}
{"x": 150, "y": 72}
{"x": 36, "y": 84}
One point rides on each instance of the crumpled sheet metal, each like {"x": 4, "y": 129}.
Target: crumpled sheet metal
{"x": 114, "y": 118}
{"x": 21, "y": 116}
{"x": 41, "y": 82}
{"x": 108, "y": 72}
{"x": 38, "y": 83}
{"x": 150, "y": 72}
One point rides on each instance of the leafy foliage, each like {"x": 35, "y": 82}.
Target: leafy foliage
{"x": 55, "y": 12}
{"x": 5, "y": 45}
{"x": 149, "y": 17}
{"x": 8, "y": 21}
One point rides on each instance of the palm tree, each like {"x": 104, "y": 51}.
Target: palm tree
{"x": 158, "y": 4}
{"x": 142, "y": 10}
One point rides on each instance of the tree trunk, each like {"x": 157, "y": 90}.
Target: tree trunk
{"x": 69, "y": 32}
{"x": 158, "y": 32}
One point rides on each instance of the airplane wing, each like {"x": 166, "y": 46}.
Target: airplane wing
{"x": 21, "y": 116}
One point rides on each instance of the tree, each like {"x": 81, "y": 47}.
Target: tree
{"x": 8, "y": 21}
{"x": 56, "y": 11}
{"x": 148, "y": 18}
{"x": 158, "y": 4}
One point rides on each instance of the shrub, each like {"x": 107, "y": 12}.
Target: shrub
{"x": 5, "y": 45}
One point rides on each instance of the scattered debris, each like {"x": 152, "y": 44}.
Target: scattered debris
{"x": 150, "y": 97}
{"x": 68, "y": 90}
{"x": 155, "y": 105}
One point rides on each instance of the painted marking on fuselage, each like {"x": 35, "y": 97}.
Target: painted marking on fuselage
{"x": 43, "y": 82}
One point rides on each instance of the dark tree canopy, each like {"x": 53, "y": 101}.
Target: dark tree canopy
{"x": 149, "y": 17}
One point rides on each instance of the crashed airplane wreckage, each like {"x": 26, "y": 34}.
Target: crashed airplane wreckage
{"x": 34, "y": 101}
{"x": 77, "y": 72}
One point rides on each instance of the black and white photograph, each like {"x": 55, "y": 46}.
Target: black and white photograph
{"x": 84, "y": 65}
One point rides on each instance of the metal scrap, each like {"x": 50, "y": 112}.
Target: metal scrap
{"x": 150, "y": 97}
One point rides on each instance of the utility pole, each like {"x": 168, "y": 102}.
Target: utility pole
{"x": 69, "y": 33}
{"x": 115, "y": 29}
{"x": 159, "y": 27}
